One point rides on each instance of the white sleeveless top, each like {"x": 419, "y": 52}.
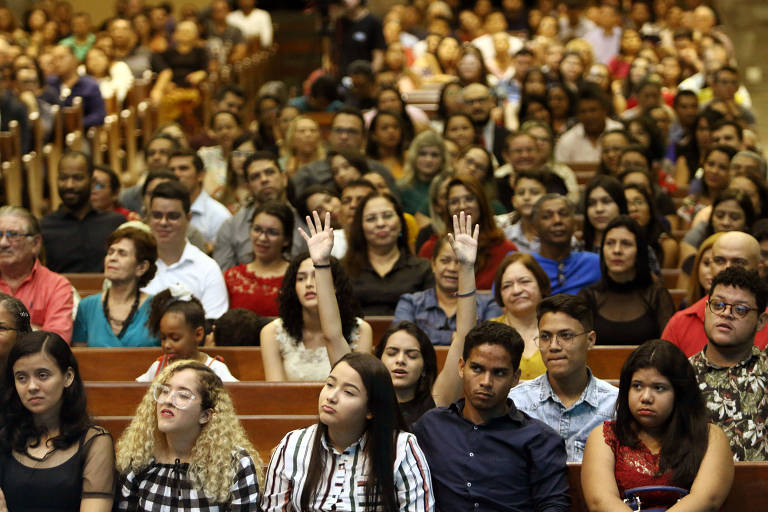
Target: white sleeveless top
{"x": 303, "y": 364}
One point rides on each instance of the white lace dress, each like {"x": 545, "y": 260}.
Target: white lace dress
{"x": 303, "y": 364}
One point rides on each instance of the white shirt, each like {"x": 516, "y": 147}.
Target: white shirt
{"x": 200, "y": 274}
{"x": 217, "y": 366}
{"x": 484, "y": 43}
{"x": 575, "y": 147}
{"x": 342, "y": 486}
{"x": 208, "y": 215}
{"x": 258, "y": 23}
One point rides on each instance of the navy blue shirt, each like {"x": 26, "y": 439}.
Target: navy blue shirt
{"x": 511, "y": 463}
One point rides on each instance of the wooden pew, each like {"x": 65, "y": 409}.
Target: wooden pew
{"x": 678, "y": 294}
{"x": 86, "y": 283}
{"x": 265, "y": 432}
{"x": 670, "y": 277}
{"x": 122, "y": 398}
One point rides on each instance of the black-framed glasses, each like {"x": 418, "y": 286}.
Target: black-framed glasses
{"x": 565, "y": 338}
{"x": 268, "y": 232}
{"x": 180, "y": 398}
{"x": 719, "y": 307}
{"x": 171, "y": 216}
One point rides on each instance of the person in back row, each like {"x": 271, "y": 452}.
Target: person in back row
{"x": 568, "y": 397}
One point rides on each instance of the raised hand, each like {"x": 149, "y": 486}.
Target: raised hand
{"x": 463, "y": 240}
{"x": 320, "y": 238}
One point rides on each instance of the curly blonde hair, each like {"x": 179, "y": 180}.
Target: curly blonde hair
{"x": 212, "y": 464}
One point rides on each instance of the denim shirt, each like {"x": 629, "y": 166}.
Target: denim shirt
{"x": 423, "y": 309}
{"x": 595, "y": 405}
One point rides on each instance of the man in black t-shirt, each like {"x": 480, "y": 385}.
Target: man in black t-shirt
{"x": 357, "y": 35}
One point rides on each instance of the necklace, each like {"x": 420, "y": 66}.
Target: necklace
{"x": 125, "y": 322}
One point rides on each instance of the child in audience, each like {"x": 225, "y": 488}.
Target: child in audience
{"x": 185, "y": 448}
{"x": 178, "y": 319}
{"x": 360, "y": 432}
{"x": 238, "y": 327}
{"x": 661, "y": 436}
{"x": 52, "y": 456}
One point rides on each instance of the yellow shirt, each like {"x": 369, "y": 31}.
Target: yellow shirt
{"x": 530, "y": 367}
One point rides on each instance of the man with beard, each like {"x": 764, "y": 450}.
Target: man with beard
{"x": 74, "y": 236}
{"x": 479, "y": 103}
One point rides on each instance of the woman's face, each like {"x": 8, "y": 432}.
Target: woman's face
{"x": 305, "y": 284}
{"x": 460, "y": 130}
{"x": 120, "y": 263}
{"x": 441, "y": 199}
{"x": 716, "y": 167}
{"x": 571, "y": 68}
{"x": 706, "y": 270}
{"x": 402, "y": 357}
{"x": 225, "y": 130}
{"x": 601, "y": 208}
{"x": 141, "y": 25}
{"x": 637, "y": 207}
{"x": 520, "y": 291}
{"x": 460, "y": 199}
{"x": 447, "y": 51}
{"x": 40, "y": 383}
{"x": 535, "y": 84}
{"x": 637, "y": 131}
{"x": 527, "y": 192}
{"x": 179, "y": 339}
{"x": 8, "y": 332}
{"x": 381, "y": 225}
{"x": 703, "y": 134}
{"x": 429, "y": 162}
{"x": 268, "y": 111}
{"x": 388, "y": 132}
{"x": 37, "y": 19}
{"x": 620, "y": 252}
{"x": 651, "y": 398}
{"x": 389, "y": 100}
{"x": 745, "y": 185}
{"x": 630, "y": 42}
{"x": 343, "y": 172}
{"x": 445, "y": 267}
{"x": 287, "y": 114}
{"x": 501, "y": 43}
{"x": 324, "y": 203}
{"x": 96, "y": 63}
{"x": 343, "y": 401}
{"x": 240, "y": 155}
{"x": 476, "y": 163}
{"x": 558, "y": 103}
{"x": 670, "y": 69}
{"x": 638, "y": 70}
{"x": 185, "y": 385}
{"x": 728, "y": 216}
{"x": 610, "y": 149}
{"x": 306, "y": 137}
{"x": 394, "y": 57}
{"x": 470, "y": 67}
{"x": 267, "y": 237}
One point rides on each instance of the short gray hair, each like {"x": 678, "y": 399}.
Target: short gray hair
{"x": 757, "y": 157}
{"x": 549, "y": 197}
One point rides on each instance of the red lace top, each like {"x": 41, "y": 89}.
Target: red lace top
{"x": 250, "y": 291}
{"x": 638, "y": 467}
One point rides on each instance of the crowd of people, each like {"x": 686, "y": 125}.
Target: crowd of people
{"x": 466, "y": 225}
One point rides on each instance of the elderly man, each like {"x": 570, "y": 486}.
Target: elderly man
{"x": 479, "y": 103}
{"x": 46, "y": 294}
{"x": 748, "y": 162}
{"x": 686, "y": 328}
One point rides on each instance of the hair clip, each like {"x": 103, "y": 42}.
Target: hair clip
{"x": 179, "y": 292}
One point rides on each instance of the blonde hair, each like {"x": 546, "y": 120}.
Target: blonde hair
{"x": 287, "y": 149}
{"x": 212, "y": 464}
{"x": 425, "y": 139}
{"x": 695, "y": 290}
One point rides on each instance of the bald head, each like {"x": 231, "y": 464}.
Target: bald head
{"x": 735, "y": 248}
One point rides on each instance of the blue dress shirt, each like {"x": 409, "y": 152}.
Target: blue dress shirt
{"x": 511, "y": 463}
{"x": 595, "y": 405}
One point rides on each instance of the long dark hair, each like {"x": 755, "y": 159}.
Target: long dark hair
{"x": 17, "y": 427}
{"x": 290, "y": 309}
{"x": 429, "y": 372}
{"x": 381, "y": 429}
{"x": 372, "y": 148}
{"x": 642, "y": 266}
{"x": 686, "y": 434}
{"x": 744, "y": 202}
{"x": 613, "y": 188}
{"x": 409, "y": 131}
{"x": 654, "y": 229}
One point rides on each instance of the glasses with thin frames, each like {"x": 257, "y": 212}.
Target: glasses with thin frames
{"x": 180, "y": 398}
{"x": 565, "y": 338}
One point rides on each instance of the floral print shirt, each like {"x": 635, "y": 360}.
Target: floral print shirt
{"x": 737, "y": 399}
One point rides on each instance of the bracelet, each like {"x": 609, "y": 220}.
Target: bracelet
{"x": 322, "y": 266}
{"x": 468, "y": 294}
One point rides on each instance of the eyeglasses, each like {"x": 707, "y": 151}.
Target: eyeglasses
{"x": 346, "y": 131}
{"x": 171, "y": 216}
{"x": 13, "y": 236}
{"x": 636, "y": 202}
{"x": 718, "y": 307}
{"x": 565, "y": 338}
{"x": 99, "y": 186}
{"x": 269, "y": 232}
{"x": 242, "y": 154}
{"x": 180, "y": 399}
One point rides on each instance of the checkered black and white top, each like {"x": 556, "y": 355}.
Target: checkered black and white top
{"x": 166, "y": 488}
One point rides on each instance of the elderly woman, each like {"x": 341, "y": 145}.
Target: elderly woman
{"x": 118, "y": 317}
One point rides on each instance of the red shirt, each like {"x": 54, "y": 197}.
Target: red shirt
{"x": 48, "y": 297}
{"x": 249, "y": 291}
{"x": 484, "y": 276}
{"x": 686, "y": 330}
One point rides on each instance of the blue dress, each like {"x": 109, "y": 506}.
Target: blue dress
{"x": 92, "y": 326}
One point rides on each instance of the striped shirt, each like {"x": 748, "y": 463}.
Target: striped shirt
{"x": 342, "y": 487}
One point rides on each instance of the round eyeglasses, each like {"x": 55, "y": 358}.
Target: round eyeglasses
{"x": 719, "y": 307}
{"x": 565, "y": 338}
{"x": 180, "y": 398}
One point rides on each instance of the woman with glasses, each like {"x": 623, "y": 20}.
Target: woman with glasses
{"x": 118, "y": 316}
{"x": 186, "y": 449}
{"x": 52, "y": 456}
{"x": 661, "y": 436}
{"x": 255, "y": 285}
{"x": 629, "y": 305}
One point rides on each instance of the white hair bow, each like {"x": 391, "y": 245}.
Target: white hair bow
{"x": 180, "y": 292}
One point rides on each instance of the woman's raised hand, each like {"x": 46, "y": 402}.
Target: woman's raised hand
{"x": 463, "y": 240}
{"x": 320, "y": 238}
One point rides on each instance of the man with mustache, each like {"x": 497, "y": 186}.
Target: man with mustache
{"x": 74, "y": 236}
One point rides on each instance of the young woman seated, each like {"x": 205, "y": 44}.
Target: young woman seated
{"x": 52, "y": 456}
{"x": 701, "y": 273}
{"x": 661, "y": 436}
{"x": 319, "y": 317}
{"x": 425, "y": 160}
{"x": 642, "y": 208}
{"x": 185, "y": 448}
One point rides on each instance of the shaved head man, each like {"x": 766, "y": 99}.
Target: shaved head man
{"x": 686, "y": 328}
